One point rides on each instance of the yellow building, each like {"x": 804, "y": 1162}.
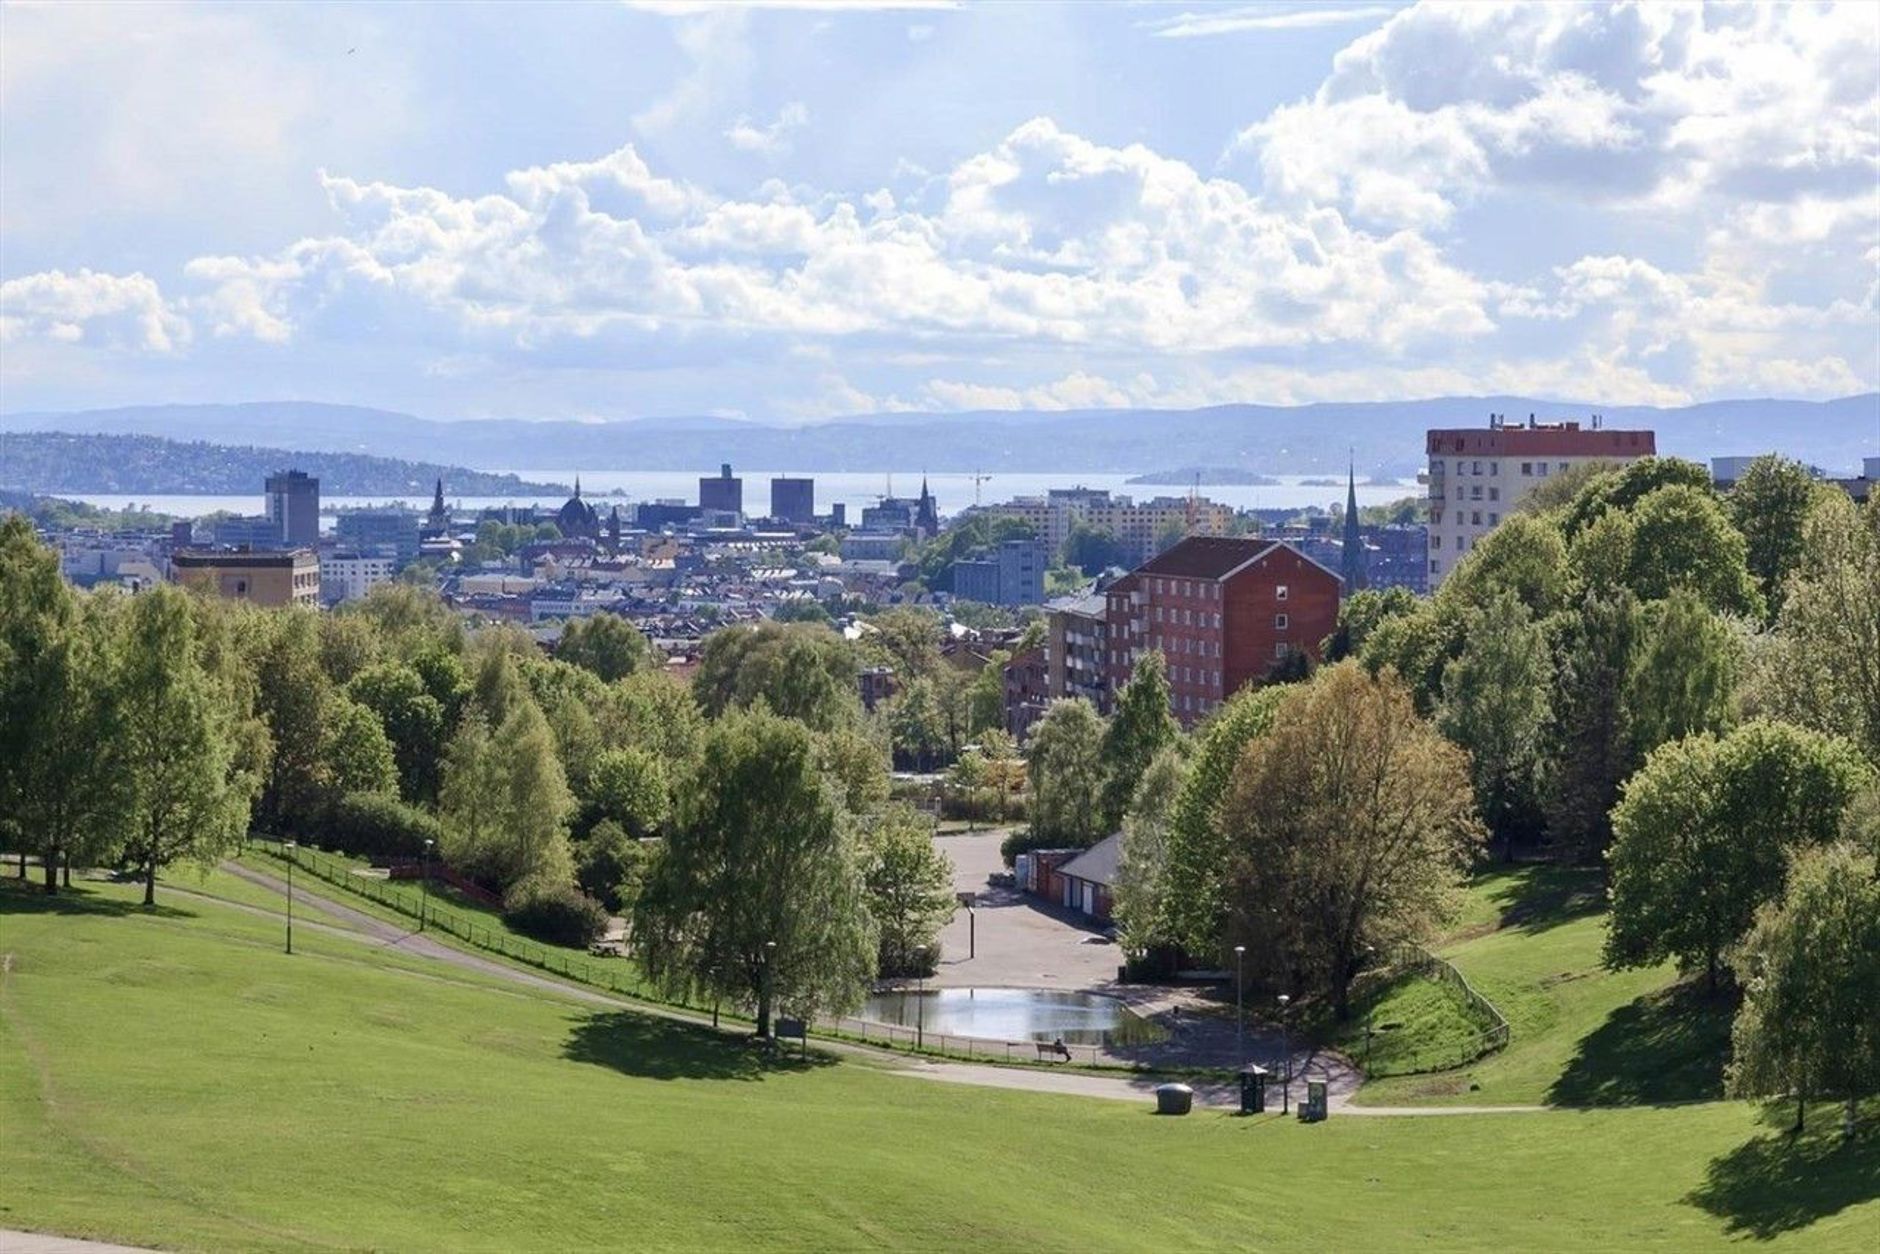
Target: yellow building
{"x": 264, "y": 576}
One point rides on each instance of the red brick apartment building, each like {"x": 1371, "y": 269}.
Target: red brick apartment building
{"x": 1222, "y": 609}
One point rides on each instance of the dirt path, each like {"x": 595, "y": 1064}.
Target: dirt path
{"x": 39, "y": 1243}
{"x": 370, "y": 929}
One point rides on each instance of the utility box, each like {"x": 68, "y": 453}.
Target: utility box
{"x": 1253, "y": 1091}
{"x": 1314, "y": 1110}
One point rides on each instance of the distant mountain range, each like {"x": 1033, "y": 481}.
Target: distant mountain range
{"x": 50, "y": 462}
{"x": 1385, "y": 437}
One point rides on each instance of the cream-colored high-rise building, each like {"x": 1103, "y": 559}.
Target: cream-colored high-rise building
{"x": 1478, "y": 475}
{"x": 1137, "y": 524}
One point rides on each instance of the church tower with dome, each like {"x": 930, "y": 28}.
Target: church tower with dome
{"x": 577, "y": 517}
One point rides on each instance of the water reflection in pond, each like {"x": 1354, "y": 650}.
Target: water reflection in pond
{"x": 1015, "y": 1014}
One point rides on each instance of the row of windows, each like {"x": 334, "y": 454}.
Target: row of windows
{"x": 1186, "y": 618}
{"x": 1530, "y": 469}
{"x": 1206, "y": 589}
{"x": 1475, "y": 492}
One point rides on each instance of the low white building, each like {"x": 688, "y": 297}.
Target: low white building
{"x": 349, "y": 576}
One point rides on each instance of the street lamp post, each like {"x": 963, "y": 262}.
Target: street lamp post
{"x": 292, "y": 857}
{"x": 770, "y": 986}
{"x": 1240, "y": 1007}
{"x": 1285, "y": 1037}
{"x": 920, "y": 997}
{"x": 424, "y": 883}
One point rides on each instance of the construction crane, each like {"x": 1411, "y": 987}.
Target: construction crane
{"x": 978, "y": 478}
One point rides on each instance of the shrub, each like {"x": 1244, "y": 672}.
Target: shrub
{"x": 379, "y": 826}
{"x": 558, "y": 914}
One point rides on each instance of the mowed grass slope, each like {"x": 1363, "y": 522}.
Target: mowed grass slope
{"x": 173, "y": 1079}
{"x": 1529, "y": 939}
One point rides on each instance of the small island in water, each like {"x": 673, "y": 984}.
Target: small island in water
{"x": 1206, "y": 476}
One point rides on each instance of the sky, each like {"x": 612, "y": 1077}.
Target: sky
{"x": 803, "y": 209}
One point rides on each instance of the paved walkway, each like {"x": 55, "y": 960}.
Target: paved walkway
{"x": 369, "y": 929}
{"x": 39, "y": 1243}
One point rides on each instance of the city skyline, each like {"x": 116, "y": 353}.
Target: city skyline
{"x": 794, "y": 212}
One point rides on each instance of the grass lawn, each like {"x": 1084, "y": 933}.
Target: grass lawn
{"x": 1415, "y": 1024}
{"x": 172, "y": 1078}
{"x": 1529, "y": 940}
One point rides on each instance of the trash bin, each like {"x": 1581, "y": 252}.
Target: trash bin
{"x": 1316, "y": 1107}
{"x": 1253, "y": 1091}
{"x": 1174, "y": 1099}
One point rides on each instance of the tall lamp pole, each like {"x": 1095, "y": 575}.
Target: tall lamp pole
{"x": 920, "y": 997}
{"x": 424, "y": 883}
{"x": 1285, "y": 1036}
{"x": 1240, "y": 1008}
{"x": 292, "y": 857}
{"x": 770, "y": 986}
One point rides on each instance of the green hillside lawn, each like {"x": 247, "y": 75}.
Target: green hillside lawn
{"x": 173, "y": 1078}
{"x": 1529, "y": 940}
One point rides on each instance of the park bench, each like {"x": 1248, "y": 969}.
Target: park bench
{"x": 1053, "y": 1051}
{"x": 607, "y": 949}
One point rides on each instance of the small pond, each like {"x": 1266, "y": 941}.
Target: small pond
{"x": 1015, "y": 1014}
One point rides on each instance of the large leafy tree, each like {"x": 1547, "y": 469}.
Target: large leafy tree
{"x": 357, "y": 756}
{"x": 189, "y": 797}
{"x": 605, "y": 644}
{"x": 758, "y": 897}
{"x": 1703, "y": 833}
{"x": 1194, "y": 906}
{"x": 1770, "y": 505}
{"x": 917, "y": 723}
{"x": 799, "y": 670}
{"x": 910, "y": 890}
{"x": 1360, "y": 613}
{"x": 1682, "y": 538}
{"x": 1526, "y": 555}
{"x": 61, "y": 785}
{"x": 1141, "y": 728}
{"x": 1495, "y": 705}
{"x": 1067, "y": 777}
{"x": 1144, "y": 885}
{"x": 505, "y": 802}
{"x": 1623, "y": 487}
{"x": 293, "y": 698}
{"x": 1591, "y": 750}
{"x": 1823, "y": 666}
{"x": 414, "y": 723}
{"x": 1810, "y": 970}
{"x": 629, "y": 787}
{"x": 1683, "y": 675}
{"x": 1352, "y": 825}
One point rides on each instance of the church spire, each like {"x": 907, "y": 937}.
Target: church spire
{"x": 577, "y": 487}
{"x": 1354, "y": 563}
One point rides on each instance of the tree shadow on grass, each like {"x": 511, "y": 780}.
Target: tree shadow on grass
{"x": 664, "y": 1049}
{"x": 1538, "y": 897}
{"x": 1667, "y": 1046}
{"x": 1778, "y": 1182}
{"x": 30, "y": 897}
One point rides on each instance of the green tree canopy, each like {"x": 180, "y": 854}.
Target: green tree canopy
{"x": 1702, "y": 835}
{"x": 1682, "y": 538}
{"x": 1352, "y": 825}
{"x": 1526, "y": 555}
{"x": 605, "y": 644}
{"x": 1093, "y": 550}
{"x": 413, "y": 720}
{"x": 189, "y": 797}
{"x": 1067, "y": 777}
{"x": 505, "y": 801}
{"x": 1624, "y": 487}
{"x": 799, "y": 670}
{"x": 1495, "y": 705}
{"x": 1810, "y": 970}
{"x": 1770, "y": 505}
{"x": 758, "y": 897}
{"x": 1143, "y": 884}
{"x": 1141, "y": 728}
{"x": 910, "y": 891}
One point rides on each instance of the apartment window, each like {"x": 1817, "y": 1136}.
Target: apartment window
{"x": 1527, "y": 468}
{"x": 1475, "y": 468}
{"x": 1217, "y": 620}
{"x": 1475, "y": 492}
{"x": 1280, "y": 622}
{"x": 1494, "y": 468}
{"x": 1494, "y": 520}
{"x": 1494, "y": 494}
{"x": 1280, "y": 650}
{"x": 1563, "y": 466}
{"x": 1158, "y": 613}
{"x": 1436, "y": 465}
{"x": 1475, "y": 518}
{"x": 1458, "y": 541}
{"x": 1436, "y": 567}
{"x": 1541, "y": 469}
{"x": 1279, "y": 592}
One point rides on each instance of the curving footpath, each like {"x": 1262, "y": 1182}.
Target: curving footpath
{"x": 1216, "y": 1095}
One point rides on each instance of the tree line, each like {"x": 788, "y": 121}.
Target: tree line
{"x": 1634, "y": 672}
{"x": 740, "y": 821}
